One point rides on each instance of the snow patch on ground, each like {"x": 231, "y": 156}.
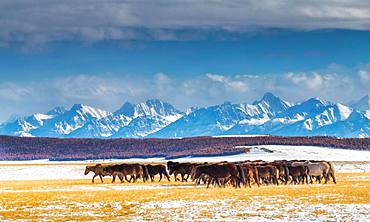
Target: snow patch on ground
{"x": 42, "y": 172}
{"x": 344, "y": 161}
{"x": 258, "y": 209}
{"x": 282, "y": 152}
{"x": 107, "y": 186}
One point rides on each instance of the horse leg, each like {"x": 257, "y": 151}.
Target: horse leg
{"x": 160, "y": 177}
{"x": 209, "y": 182}
{"x": 93, "y": 178}
{"x": 218, "y": 183}
{"x": 213, "y": 182}
{"x": 114, "y": 178}
{"x": 101, "y": 179}
{"x": 127, "y": 179}
{"x": 248, "y": 180}
{"x": 168, "y": 177}
{"x": 287, "y": 178}
{"x": 185, "y": 178}
{"x": 133, "y": 178}
{"x": 237, "y": 182}
{"x": 332, "y": 176}
{"x": 294, "y": 181}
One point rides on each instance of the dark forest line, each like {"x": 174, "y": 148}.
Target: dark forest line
{"x": 29, "y": 148}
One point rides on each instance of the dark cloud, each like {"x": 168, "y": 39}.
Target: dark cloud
{"x": 39, "y": 21}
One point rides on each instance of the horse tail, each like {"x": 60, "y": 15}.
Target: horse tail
{"x": 331, "y": 171}
{"x": 256, "y": 176}
{"x": 165, "y": 173}
{"x": 241, "y": 174}
{"x": 286, "y": 174}
{"x": 145, "y": 172}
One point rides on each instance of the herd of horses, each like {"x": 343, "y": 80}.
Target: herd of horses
{"x": 220, "y": 174}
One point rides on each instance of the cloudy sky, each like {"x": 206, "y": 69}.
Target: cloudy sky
{"x": 189, "y": 53}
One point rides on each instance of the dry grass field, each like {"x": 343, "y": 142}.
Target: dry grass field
{"x": 79, "y": 200}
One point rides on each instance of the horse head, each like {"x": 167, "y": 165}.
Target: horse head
{"x": 170, "y": 170}
{"x": 87, "y": 170}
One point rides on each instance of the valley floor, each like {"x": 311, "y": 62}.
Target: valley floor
{"x": 79, "y": 200}
{"x": 59, "y": 191}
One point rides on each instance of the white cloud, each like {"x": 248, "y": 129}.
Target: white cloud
{"x": 39, "y": 21}
{"x": 110, "y": 91}
{"x": 13, "y": 92}
{"x": 364, "y": 75}
{"x": 235, "y": 84}
{"x": 310, "y": 80}
{"x": 215, "y": 77}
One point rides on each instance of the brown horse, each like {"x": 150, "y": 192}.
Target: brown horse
{"x": 184, "y": 169}
{"x": 268, "y": 174}
{"x": 298, "y": 173}
{"x": 250, "y": 172}
{"x": 157, "y": 169}
{"x": 98, "y": 170}
{"x": 216, "y": 172}
{"x": 283, "y": 174}
{"x": 136, "y": 171}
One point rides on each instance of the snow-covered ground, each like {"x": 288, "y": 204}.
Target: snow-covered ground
{"x": 74, "y": 162}
{"x": 282, "y": 152}
{"x": 260, "y": 209}
{"x": 344, "y": 161}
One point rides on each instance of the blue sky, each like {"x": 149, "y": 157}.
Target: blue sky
{"x": 266, "y": 52}
{"x": 205, "y": 53}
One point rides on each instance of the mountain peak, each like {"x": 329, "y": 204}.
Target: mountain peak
{"x": 57, "y": 111}
{"x": 362, "y": 104}
{"x": 153, "y": 101}
{"x": 269, "y": 96}
{"x": 150, "y": 107}
{"x": 77, "y": 106}
{"x": 271, "y": 103}
{"x": 315, "y": 101}
{"x": 84, "y": 109}
{"x": 127, "y": 109}
{"x": 155, "y": 107}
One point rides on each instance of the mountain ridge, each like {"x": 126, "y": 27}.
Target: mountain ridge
{"x": 155, "y": 118}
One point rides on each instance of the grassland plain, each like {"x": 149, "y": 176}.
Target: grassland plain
{"x": 79, "y": 200}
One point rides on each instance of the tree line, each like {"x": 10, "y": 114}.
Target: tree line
{"x": 27, "y": 148}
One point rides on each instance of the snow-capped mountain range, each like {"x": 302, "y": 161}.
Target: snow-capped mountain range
{"x": 154, "y": 118}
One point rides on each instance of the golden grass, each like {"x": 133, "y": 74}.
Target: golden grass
{"x": 65, "y": 200}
